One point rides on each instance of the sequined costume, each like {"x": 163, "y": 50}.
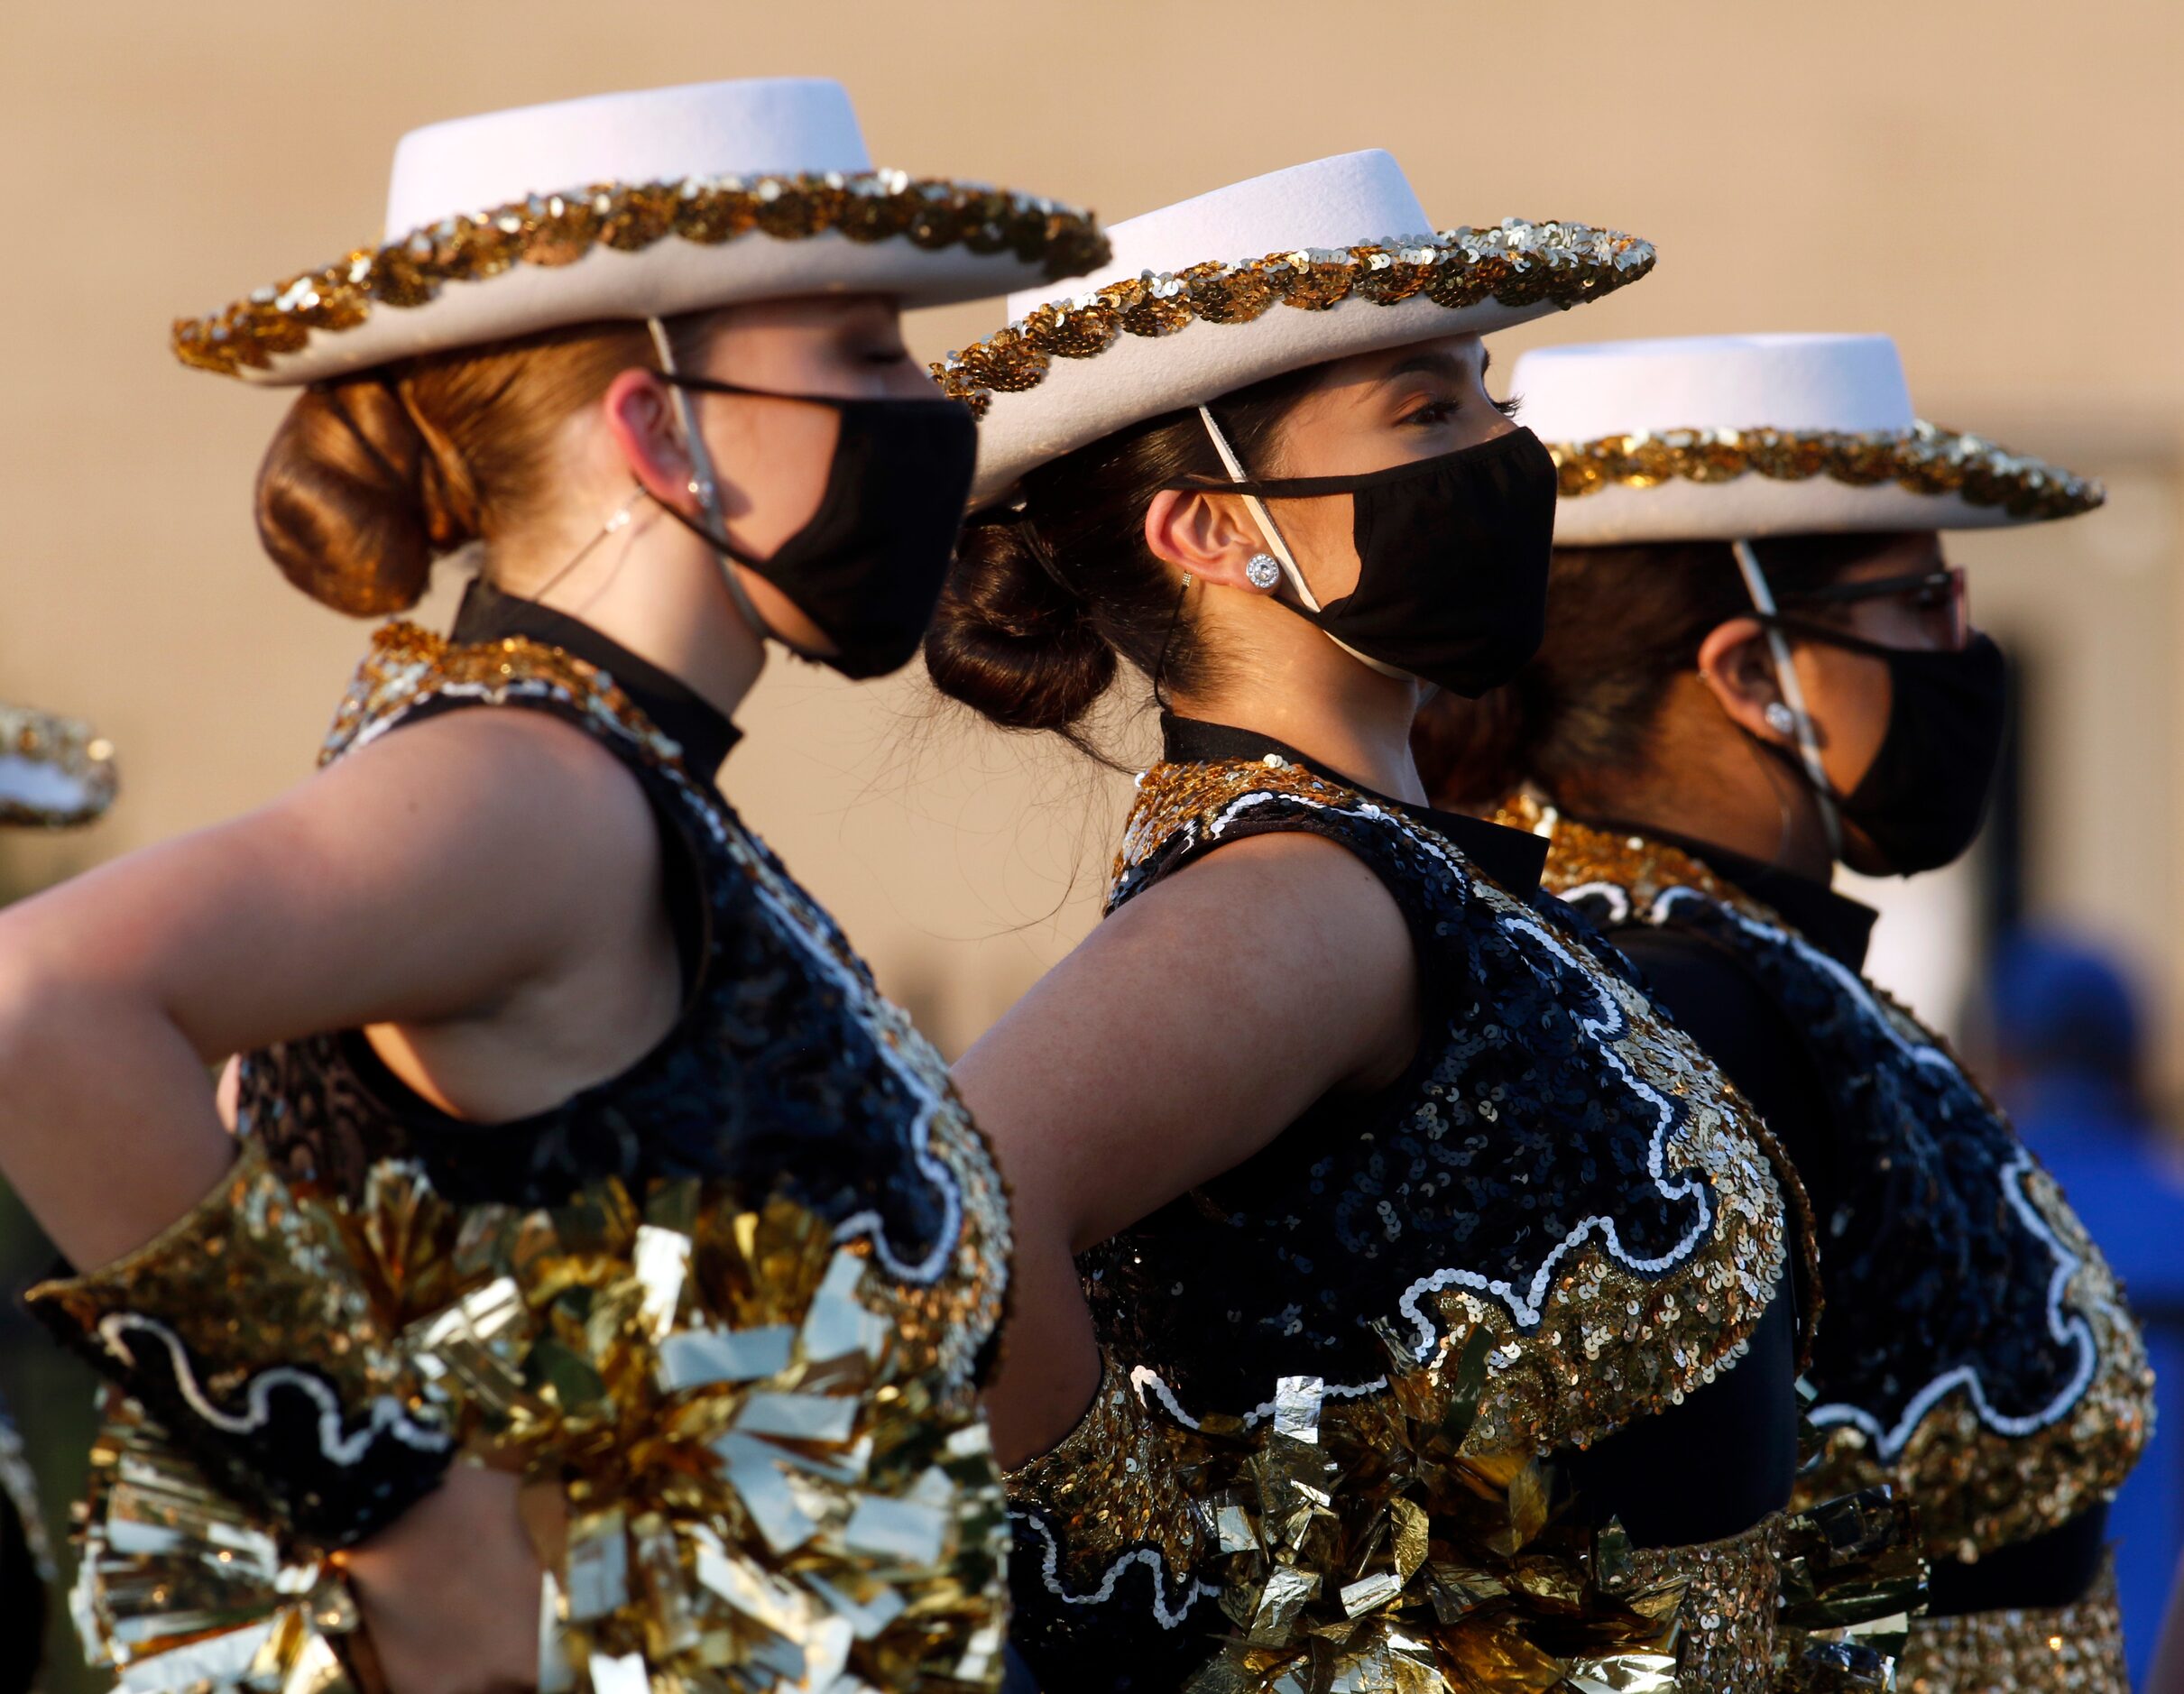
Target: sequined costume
{"x": 1978, "y": 1351}
{"x": 740, "y": 1295}
{"x": 1560, "y": 1188}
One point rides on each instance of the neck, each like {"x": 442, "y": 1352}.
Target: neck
{"x": 1358, "y": 727}
{"x": 657, "y": 590}
{"x": 1763, "y": 811}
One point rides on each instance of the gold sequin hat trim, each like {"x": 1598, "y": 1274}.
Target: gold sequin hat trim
{"x": 1729, "y": 437}
{"x": 1293, "y": 269}
{"x": 54, "y": 772}
{"x": 630, "y": 206}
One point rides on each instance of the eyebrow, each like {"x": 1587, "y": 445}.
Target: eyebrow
{"x": 1442, "y": 364}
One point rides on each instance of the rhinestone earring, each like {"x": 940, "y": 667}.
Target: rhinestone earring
{"x": 1262, "y": 570}
{"x": 1780, "y": 718}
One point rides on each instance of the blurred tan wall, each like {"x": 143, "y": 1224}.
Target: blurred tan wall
{"x": 1997, "y": 184}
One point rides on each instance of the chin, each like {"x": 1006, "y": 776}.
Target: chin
{"x": 1862, "y": 856}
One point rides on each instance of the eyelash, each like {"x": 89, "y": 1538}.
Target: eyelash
{"x": 1435, "y": 411}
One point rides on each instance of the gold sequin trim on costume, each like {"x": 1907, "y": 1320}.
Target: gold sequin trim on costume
{"x": 1611, "y": 1343}
{"x": 254, "y": 1279}
{"x": 1516, "y": 263}
{"x": 1927, "y": 460}
{"x": 560, "y": 229}
{"x": 1730, "y": 1588}
{"x": 1974, "y": 1488}
{"x": 53, "y": 770}
{"x": 2075, "y": 1649}
{"x": 1113, "y": 1483}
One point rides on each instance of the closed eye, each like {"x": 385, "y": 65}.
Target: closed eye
{"x": 1509, "y": 408}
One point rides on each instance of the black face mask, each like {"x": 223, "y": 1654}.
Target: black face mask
{"x": 868, "y": 568}
{"x": 1453, "y": 554}
{"x": 1923, "y": 799}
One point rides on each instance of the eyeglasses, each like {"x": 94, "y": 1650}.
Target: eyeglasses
{"x": 1937, "y": 594}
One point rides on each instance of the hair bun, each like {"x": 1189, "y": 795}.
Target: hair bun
{"x": 355, "y": 501}
{"x": 1009, "y": 639}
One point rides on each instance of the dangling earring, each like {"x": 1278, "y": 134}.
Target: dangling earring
{"x": 1262, "y": 570}
{"x": 1780, "y": 718}
{"x": 1186, "y": 582}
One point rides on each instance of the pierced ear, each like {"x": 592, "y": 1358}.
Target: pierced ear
{"x": 640, "y": 419}
{"x": 1207, "y": 536}
{"x": 1736, "y": 664}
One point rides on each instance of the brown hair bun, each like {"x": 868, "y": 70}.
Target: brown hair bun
{"x": 351, "y": 501}
{"x": 371, "y": 479}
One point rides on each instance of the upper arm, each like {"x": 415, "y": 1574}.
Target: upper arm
{"x": 1190, "y": 1028}
{"x": 419, "y": 878}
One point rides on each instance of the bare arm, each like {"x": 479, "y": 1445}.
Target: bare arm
{"x": 1183, "y": 1036}
{"x": 440, "y": 876}
{"x": 423, "y": 879}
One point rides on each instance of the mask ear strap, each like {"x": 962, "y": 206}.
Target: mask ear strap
{"x": 706, "y": 486}
{"x": 1257, "y": 507}
{"x": 1793, "y": 692}
{"x": 1279, "y": 546}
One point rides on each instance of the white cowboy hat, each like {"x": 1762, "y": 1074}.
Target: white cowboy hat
{"x": 1213, "y": 294}
{"x": 53, "y": 770}
{"x": 1732, "y": 437}
{"x": 633, "y": 205}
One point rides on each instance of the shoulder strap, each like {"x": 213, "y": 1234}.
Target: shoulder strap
{"x": 410, "y": 669}
{"x": 1186, "y": 810}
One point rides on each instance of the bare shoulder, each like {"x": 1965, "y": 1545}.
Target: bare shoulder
{"x": 1288, "y": 898}
{"x": 526, "y": 780}
{"x": 1192, "y": 1026}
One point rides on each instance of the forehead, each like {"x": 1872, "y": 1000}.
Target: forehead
{"x": 1462, "y": 358}
{"x": 1900, "y": 556}
{"x": 811, "y": 313}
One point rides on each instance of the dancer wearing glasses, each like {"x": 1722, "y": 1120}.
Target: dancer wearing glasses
{"x": 1759, "y": 664}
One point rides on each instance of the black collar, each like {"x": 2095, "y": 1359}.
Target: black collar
{"x": 1514, "y": 858}
{"x": 1838, "y": 926}
{"x": 701, "y": 729}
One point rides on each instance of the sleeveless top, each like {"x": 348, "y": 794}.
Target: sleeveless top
{"x": 1978, "y": 1352}
{"x": 786, "y": 1072}
{"x": 735, "y": 1301}
{"x": 1559, "y": 1172}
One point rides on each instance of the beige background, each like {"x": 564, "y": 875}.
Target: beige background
{"x": 1996, "y": 184}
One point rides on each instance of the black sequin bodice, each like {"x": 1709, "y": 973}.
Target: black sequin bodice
{"x": 1978, "y": 1351}
{"x": 1559, "y": 1166}
{"x": 786, "y": 1070}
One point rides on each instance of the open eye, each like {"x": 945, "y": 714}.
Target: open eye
{"x": 1430, "y": 415}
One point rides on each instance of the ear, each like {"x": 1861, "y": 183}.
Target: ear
{"x": 1208, "y": 536}
{"x": 642, "y": 422}
{"x": 1735, "y": 661}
